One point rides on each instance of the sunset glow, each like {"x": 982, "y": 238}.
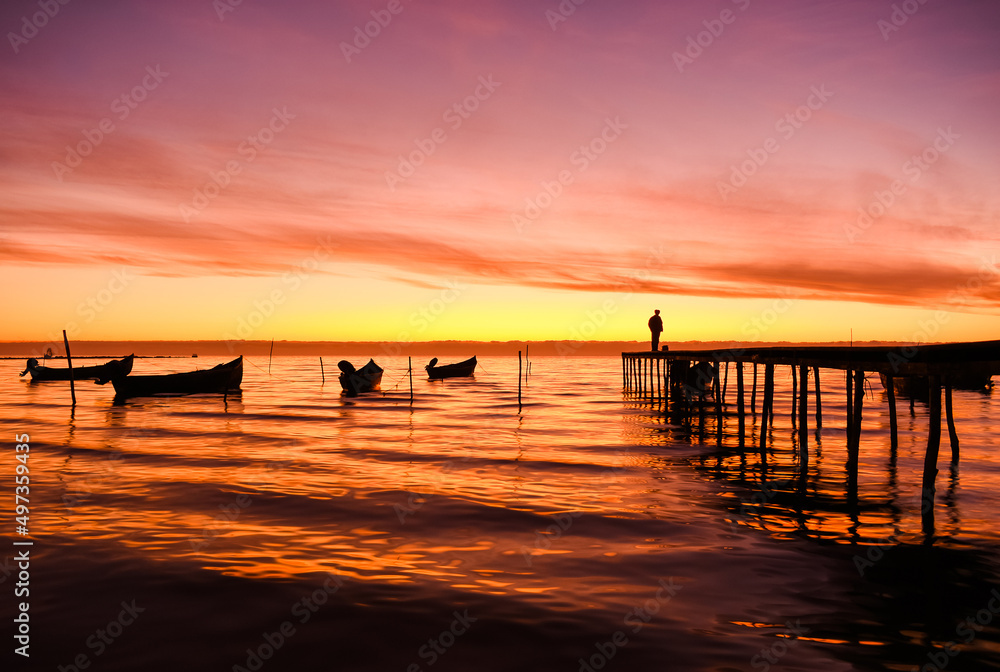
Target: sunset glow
{"x": 500, "y": 170}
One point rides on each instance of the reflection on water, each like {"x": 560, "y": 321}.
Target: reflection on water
{"x": 559, "y": 525}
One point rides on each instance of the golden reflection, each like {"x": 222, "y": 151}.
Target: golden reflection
{"x": 286, "y": 482}
{"x": 821, "y": 640}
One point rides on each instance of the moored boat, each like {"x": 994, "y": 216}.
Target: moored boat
{"x": 456, "y": 370}
{"x": 917, "y": 386}
{"x": 365, "y": 379}
{"x": 222, "y": 379}
{"x": 116, "y": 367}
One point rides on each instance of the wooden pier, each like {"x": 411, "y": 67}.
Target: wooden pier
{"x": 681, "y": 381}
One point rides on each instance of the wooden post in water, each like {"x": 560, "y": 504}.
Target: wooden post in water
{"x": 666, "y": 382}
{"x": 624, "y": 377}
{"x": 952, "y": 434}
{"x": 739, "y": 403}
{"x": 716, "y": 383}
{"x": 753, "y": 393}
{"x": 854, "y": 429}
{"x": 650, "y": 375}
{"x": 804, "y": 418}
{"x": 269, "y": 357}
{"x": 890, "y": 390}
{"x": 770, "y": 405}
{"x": 519, "y": 380}
{"x": 409, "y": 362}
{"x": 859, "y": 400}
{"x": 718, "y": 400}
{"x": 69, "y": 363}
{"x": 765, "y": 409}
{"x": 642, "y": 376}
{"x": 795, "y": 393}
{"x": 819, "y": 399}
{"x": 662, "y": 374}
{"x": 931, "y": 457}
{"x": 725, "y": 382}
{"x": 850, "y": 409}
{"x": 321, "y": 371}
{"x": 701, "y": 413}
{"x": 657, "y": 378}
{"x": 652, "y": 378}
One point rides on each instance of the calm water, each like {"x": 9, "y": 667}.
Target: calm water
{"x": 325, "y": 533}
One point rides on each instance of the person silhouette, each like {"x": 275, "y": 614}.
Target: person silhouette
{"x": 655, "y": 327}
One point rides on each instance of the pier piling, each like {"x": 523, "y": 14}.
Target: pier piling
{"x": 819, "y": 400}
{"x": 890, "y": 390}
{"x": 849, "y": 408}
{"x": 803, "y": 418}
{"x": 859, "y": 400}
{"x": 767, "y": 416}
{"x": 952, "y": 434}
{"x": 741, "y": 416}
{"x": 795, "y": 393}
{"x": 931, "y": 457}
{"x": 718, "y": 397}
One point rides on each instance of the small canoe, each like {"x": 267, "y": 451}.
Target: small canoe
{"x": 457, "y": 370}
{"x": 355, "y": 381}
{"x": 106, "y": 371}
{"x": 221, "y": 379}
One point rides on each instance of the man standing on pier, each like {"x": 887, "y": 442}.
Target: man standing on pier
{"x": 655, "y": 327}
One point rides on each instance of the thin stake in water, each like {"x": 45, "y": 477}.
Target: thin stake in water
{"x": 69, "y": 361}
{"x": 518, "y": 380}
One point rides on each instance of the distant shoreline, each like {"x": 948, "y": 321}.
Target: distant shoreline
{"x": 376, "y": 349}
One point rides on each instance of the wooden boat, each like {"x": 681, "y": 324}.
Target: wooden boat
{"x": 457, "y": 370}
{"x": 917, "y": 386}
{"x": 355, "y": 381}
{"x": 103, "y": 372}
{"x": 221, "y": 379}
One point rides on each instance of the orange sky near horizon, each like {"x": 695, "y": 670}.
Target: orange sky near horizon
{"x": 500, "y": 170}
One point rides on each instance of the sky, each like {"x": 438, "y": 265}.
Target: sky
{"x": 398, "y": 170}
